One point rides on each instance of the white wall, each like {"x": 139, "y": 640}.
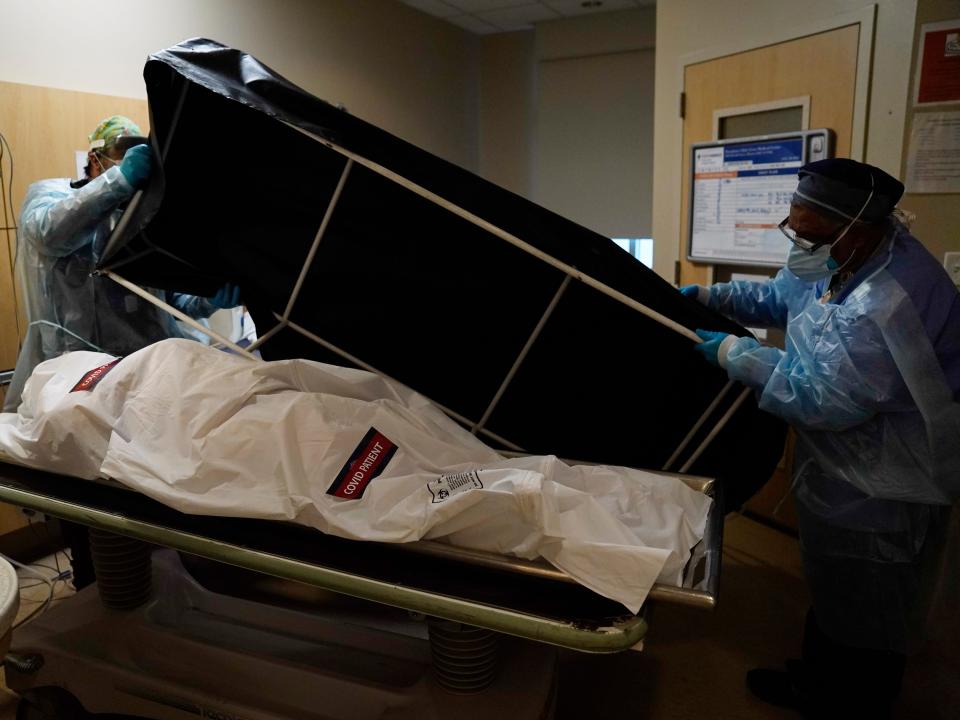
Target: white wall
{"x": 696, "y": 26}
{"x": 593, "y": 149}
{"x": 543, "y": 92}
{"x": 600, "y": 34}
{"x": 409, "y": 73}
{"x": 507, "y": 62}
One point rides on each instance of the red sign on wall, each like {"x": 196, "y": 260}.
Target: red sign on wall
{"x": 938, "y": 78}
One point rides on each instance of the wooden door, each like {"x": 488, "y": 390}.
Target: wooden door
{"x": 822, "y": 67}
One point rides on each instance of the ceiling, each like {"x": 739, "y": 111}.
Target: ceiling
{"x": 484, "y": 17}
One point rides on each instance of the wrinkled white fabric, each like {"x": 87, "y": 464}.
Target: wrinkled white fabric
{"x": 210, "y": 433}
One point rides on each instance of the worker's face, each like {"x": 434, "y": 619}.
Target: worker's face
{"x": 99, "y": 162}
{"x": 816, "y": 227}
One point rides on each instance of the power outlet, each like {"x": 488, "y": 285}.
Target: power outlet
{"x": 951, "y": 261}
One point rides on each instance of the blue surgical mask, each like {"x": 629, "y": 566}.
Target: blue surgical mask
{"x": 811, "y": 266}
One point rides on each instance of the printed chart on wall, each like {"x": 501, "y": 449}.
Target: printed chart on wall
{"x": 933, "y": 156}
{"x": 741, "y": 192}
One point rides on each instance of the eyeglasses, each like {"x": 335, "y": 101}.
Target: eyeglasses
{"x": 812, "y": 245}
{"x": 805, "y": 243}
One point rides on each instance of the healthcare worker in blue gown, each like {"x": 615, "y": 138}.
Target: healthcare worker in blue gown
{"x": 870, "y": 380}
{"x": 63, "y": 229}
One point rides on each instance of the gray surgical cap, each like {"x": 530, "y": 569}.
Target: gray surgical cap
{"x": 840, "y": 187}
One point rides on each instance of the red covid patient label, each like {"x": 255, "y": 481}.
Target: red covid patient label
{"x": 90, "y": 380}
{"x": 368, "y": 460}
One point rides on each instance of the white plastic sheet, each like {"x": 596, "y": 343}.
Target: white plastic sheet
{"x": 346, "y": 452}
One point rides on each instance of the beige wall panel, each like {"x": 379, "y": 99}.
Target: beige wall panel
{"x": 411, "y": 74}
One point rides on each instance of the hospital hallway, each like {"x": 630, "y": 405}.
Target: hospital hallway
{"x": 693, "y": 662}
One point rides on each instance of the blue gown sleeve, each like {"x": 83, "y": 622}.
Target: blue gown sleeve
{"x": 757, "y": 303}
{"x": 192, "y": 305}
{"x": 836, "y": 372}
{"x": 57, "y": 222}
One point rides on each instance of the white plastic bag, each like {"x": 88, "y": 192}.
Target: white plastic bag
{"x": 346, "y": 452}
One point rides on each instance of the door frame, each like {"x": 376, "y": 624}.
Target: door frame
{"x": 865, "y": 17}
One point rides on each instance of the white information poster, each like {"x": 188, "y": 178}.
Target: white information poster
{"x": 741, "y": 192}
{"x": 933, "y": 158}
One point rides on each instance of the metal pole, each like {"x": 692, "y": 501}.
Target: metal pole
{"x": 523, "y": 354}
{"x": 369, "y": 368}
{"x": 508, "y": 237}
{"x": 137, "y": 290}
{"x": 717, "y": 428}
{"x": 696, "y": 428}
{"x": 316, "y": 241}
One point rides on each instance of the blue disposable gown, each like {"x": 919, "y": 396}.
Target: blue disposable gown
{"x": 870, "y": 381}
{"x": 61, "y": 236}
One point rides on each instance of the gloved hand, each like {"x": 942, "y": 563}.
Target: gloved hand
{"x": 710, "y": 347}
{"x": 227, "y": 297}
{"x": 695, "y": 292}
{"x": 136, "y": 165}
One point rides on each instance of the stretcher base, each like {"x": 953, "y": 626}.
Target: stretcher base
{"x": 191, "y": 651}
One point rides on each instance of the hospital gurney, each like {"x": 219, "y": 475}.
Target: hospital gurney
{"x": 522, "y": 598}
{"x": 177, "y": 652}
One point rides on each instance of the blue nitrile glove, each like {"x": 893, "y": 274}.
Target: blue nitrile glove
{"x": 710, "y": 347}
{"x": 696, "y": 292}
{"x": 136, "y": 165}
{"x": 227, "y": 297}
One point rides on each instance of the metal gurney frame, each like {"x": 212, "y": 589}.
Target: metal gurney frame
{"x": 521, "y": 598}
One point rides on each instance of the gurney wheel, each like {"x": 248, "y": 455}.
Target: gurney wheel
{"x": 465, "y": 658}
{"x": 123, "y": 569}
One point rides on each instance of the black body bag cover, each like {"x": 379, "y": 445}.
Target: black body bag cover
{"x": 246, "y": 172}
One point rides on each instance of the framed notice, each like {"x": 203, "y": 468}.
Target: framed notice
{"x": 933, "y": 157}
{"x": 938, "y": 65}
{"x": 740, "y": 191}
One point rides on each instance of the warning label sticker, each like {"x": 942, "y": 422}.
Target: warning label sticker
{"x": 449, "y": 485}
{"x": 90, "y": 380}
{"x": 368, "y": 460}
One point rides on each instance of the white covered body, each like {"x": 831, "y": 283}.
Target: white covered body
{"x": 347, "y": 452}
